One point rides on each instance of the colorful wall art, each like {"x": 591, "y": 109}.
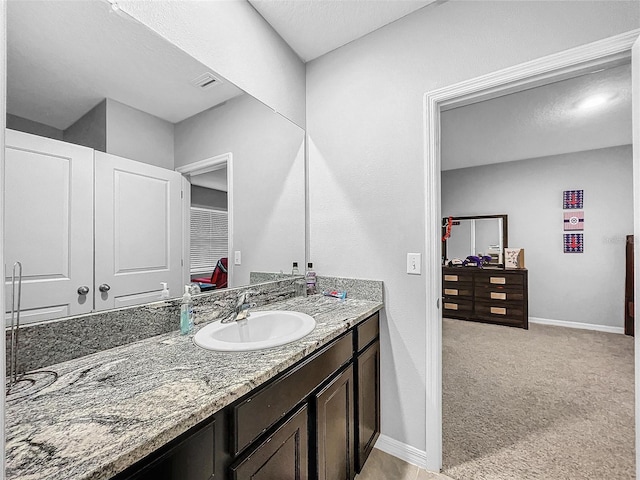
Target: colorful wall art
{"x": 573, "y": 199}
{"x": 573, "y": 243}
{"x": 574, "y": 220}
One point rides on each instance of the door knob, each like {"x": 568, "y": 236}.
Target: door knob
{"x": 83, "y": 290}
{"x": 104, "y": 288}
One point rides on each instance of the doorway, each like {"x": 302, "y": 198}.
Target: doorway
{"x": 208, "y": 213}
{"x": 565, "y": 64}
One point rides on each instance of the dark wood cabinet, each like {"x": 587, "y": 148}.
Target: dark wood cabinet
{"x": 488, "y": 295}
{"x": 191, "y": 458}
{"x": 283, "y": 455}
{"x": 317, "y": 420}
{"x": 335, "y": 428}
{"x": 368, "y": 414}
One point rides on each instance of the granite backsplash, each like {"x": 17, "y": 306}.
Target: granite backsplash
{"x": 48, "y": 343}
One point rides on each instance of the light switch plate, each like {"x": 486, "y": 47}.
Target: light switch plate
{"x": 237, "y": 257}
{"x": 414, "y": 263}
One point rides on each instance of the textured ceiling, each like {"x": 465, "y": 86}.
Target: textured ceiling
{"x": 539, "y": 122}
{"x": 315, "y": 27}
{"x": 63, "y": 57}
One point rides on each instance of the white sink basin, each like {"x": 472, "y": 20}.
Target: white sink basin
{"x": 261, "y": 330}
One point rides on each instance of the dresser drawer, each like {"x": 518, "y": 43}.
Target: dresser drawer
{"x": 499, "y": 278}
{"x": 511, "y": 313}
{"x": 453, "y": 289}
{"x": 513, "y": 293}
{"x": 457, "y": 276}
{"x": 456, "y": 306}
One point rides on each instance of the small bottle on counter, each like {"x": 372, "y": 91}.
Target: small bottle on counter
{"x": 164, "y": 295}
{"x": 310, "y": 279}
{"x": 186, "y": 312}
{"x": 294, "y": 270}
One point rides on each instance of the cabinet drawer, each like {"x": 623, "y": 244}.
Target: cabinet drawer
{"x": 457, "y": 276}
{"x": 367, "y": 331}
{"x": 450, "y": 305}
{"x": 498, "y": 295}
{"x": 462, "y": 289}
{"x": 261, "y": 410}
{"x": 500, "y": 312}
{"x": 499, "y": 278}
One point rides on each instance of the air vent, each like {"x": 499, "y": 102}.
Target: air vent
{"x": 206, "y": 80}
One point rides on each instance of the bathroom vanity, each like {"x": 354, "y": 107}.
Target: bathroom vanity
{"x": 491, "y": 295}
{"x": 318, "y": 419}
{"x": 163, "y": 408}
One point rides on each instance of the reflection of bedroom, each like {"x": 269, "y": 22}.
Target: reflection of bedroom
{"x": 209, "y": 229}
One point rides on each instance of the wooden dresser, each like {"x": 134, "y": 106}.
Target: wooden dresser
{"x": 487, "y": 295}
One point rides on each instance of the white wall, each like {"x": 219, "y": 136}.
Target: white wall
{"x": 138, "y": 135}
{"x": 3, "y": 115}
{"x": 90, "y": 130}
{"x": 365, "y": 128}
{"x": 236, "y": 42}
{"x": 584, "y": 288}
{"x": 268, "y": 179}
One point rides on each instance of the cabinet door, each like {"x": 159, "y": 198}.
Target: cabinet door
{"x": 335, "y": 428}
{"x": 138, "y": 231}
{"x": 368, "y": 365}
{"x": 282, "y": 456}
{"x": 48, "y": 195}
{"x": 192, "y": 459}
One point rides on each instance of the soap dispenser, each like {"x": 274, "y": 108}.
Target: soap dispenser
{"x": 186, "y": 312}
{"x": 164, "y": 295}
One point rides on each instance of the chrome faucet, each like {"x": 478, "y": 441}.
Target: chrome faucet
{"x": 242, "y": 307}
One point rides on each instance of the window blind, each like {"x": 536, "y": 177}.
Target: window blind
{"x": 209, "y": 238}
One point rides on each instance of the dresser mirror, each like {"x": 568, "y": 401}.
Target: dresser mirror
{"x": 475, "y": 235}
{"x": 86, "y": 73}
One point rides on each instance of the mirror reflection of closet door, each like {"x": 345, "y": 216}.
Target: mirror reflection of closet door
{"x": 48, "y": 195}
{"x": 138, "y": 231}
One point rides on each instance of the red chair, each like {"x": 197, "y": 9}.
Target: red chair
{"x": 218, "y": 277}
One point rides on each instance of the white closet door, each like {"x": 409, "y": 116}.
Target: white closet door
{"x": 48, "y": 225}
{"x": 138, "y": 231}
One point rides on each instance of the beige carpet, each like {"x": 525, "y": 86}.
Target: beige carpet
{"x": 550, "y": 403}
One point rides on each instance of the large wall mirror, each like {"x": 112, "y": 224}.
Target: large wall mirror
{"x": 475, "y": 235}
{"x": 116, "y": 138}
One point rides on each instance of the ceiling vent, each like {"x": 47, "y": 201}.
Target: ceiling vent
{"x": 206, "y": 80}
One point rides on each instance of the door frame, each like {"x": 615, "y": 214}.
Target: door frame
{"x": 555, "y": 67}
{"x": 207, "y": 165}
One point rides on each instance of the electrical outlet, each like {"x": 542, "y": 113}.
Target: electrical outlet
{"x": 414, "y": 263}
{"x": 237, "y": 257}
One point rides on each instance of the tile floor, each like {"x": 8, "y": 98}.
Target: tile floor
{"x": 382, "y": 466}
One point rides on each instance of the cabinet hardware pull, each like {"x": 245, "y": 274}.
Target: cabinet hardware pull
{"x": 451, "y": 278}
{"x": 450, "y": 291}
{"x": 451, "y": 306}
{"x": 498, "y": 280}
{"x": 499, "y": 310}
{"x": 498, "y": 296}
{"x": 83, "y": 290}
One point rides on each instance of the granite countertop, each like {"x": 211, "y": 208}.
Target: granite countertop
{"x": 110, "y": 409}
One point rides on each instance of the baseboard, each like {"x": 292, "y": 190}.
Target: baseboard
{"x": 402, "y": 451}
{"x": 582, "y": 326}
